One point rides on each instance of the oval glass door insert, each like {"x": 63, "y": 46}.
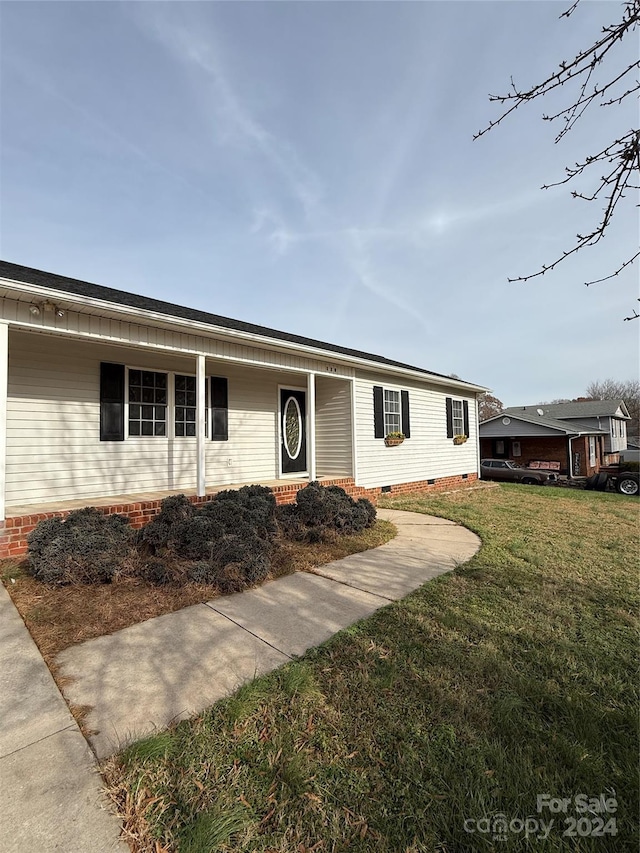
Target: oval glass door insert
{"x": 292, "y": 427}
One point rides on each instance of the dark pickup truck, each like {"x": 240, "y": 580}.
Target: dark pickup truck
{"x": 624, "y": 482}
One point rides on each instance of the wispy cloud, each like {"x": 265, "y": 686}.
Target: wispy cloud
{"x": 38, "y": 79}
{"x": 235, "y": 121}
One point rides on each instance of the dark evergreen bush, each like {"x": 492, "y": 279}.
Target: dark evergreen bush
{"x": 259, "y": 507}
{"x": 160, "y": 533}
{"x": 86, "y": 547}
{"x": 329, "y": 508}
{"x": 160, "y": 572}
{"x": 291, "y": 525}
{"x": 238, "y": 561}
{"x": 195, "y": 538}
{"x": 370, "y": 508}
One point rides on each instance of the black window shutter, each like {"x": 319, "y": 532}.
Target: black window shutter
{"x": 378, "y": 412}
{"x": 219, "y": 409}
{"x": 406, "y": 425}
{"x": 465, "y": 415}
{"x": 111, "y": 402}
{"x": 449, "y": 417}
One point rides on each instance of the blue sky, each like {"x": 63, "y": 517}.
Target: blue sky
{"x": 310, "y": 167}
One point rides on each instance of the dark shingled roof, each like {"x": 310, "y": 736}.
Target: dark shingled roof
{"x": 76, "y": 287}
{"x": 529, "y": 415}
{"x": 577, "y": 409}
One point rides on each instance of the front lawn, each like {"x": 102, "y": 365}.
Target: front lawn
{"x": 511, "y": 678}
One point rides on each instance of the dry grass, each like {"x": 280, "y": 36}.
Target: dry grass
{"x": 58, "y": 617}
{"x": 514, "y": 675}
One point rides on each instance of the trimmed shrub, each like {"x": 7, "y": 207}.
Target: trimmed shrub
{"x": 160, "y": 533}
{"x": 291, "y": 525}
{"x": 239, "y": 560}
{"x": 195, "y": 538}
{"x": 160, "y": 572}
{"x": 259, "y": 507}
{"x": 86, "y": 547}
{"x": 330, "y": 508}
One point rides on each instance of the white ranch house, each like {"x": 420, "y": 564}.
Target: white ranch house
{"x": 110, "y": 397}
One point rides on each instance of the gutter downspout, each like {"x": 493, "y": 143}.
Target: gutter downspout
{"x": 571, "y": 456}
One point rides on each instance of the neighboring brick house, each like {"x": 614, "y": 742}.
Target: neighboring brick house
{"x": 608, "y": 415}
{"x": 527, "y": 434}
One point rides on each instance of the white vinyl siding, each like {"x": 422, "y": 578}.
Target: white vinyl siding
{"x": 429, "y": 454}
{"x": 333, "y": 428}
{"x": 54, "y": 450}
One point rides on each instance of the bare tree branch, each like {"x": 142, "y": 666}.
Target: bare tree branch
{"x": 620, "y": 158}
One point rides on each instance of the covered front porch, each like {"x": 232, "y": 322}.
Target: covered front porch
{"x": 93, "y": 422}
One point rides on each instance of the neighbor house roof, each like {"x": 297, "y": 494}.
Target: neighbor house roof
{"x": 76, "y": 287}
{"x": 530, "y": 416}
{"x": 579, "y": 409}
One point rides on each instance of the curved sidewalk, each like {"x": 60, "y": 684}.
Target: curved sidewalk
{"x": 138, "y": 680}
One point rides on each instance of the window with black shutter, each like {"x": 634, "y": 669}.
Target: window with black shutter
{"x": 390, "y": 412}
{"x": 219, "y": 408}
{"x": 111, "y": 402}
{"x": 457, "y": 414}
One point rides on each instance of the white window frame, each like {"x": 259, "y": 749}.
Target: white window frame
{"x": 207, "y": 407}
{"x": 459, "y": 419}
{"x": 128, "y": 403}
{"x": 389, "y": 413}
{"x": 170, "y": 430}
{"x": 592, "y": 450}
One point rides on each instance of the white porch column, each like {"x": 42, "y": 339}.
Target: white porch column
{"x": 200, "y": 425}
{"x": 311, "y": 442}
{"x": 4, "y": 372}
{"x": 354, "y": 433}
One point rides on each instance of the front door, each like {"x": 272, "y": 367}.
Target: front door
{"x": 293, "y": 407}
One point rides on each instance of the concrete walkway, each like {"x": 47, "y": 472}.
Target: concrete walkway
{"x": 141, "y": 678}
{"x": 138, "y": 680}
{"x": 50, "y": 787}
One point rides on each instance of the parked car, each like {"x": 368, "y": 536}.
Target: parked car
{"x": 508, "y": 471}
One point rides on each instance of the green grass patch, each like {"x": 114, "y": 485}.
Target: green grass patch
{"x": 512, "y": 677}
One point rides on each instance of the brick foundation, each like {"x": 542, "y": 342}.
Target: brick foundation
{"x": 14, "y": 531}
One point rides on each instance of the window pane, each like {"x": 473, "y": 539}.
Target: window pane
{"x": 179, "y": 429}
{"x": 191, "y": 429}
{"x": 150, "y": 389}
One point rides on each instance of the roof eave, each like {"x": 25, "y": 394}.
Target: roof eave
{"x": 223, "y": 331}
